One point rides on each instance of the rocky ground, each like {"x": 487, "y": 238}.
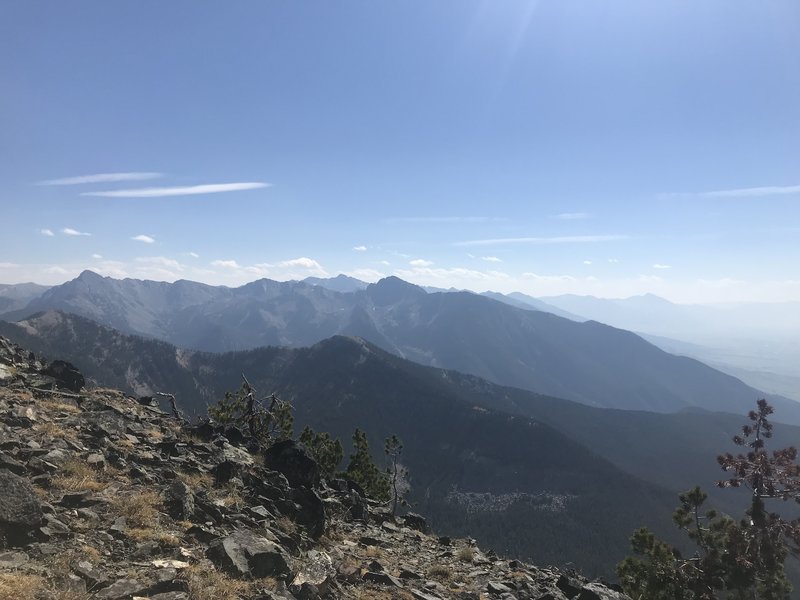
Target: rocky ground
{"x": 107, "y": 497}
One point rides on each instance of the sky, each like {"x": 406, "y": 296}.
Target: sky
{"x": 557, "y": 146}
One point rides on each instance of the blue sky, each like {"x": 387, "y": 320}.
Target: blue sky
{"x": 607, "y": 148}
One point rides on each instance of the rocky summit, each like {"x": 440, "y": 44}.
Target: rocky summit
{"x": 109, "y": 497}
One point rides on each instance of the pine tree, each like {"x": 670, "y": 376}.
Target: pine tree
{"x": 324, "y": 449}
{"x": 737, "y": 560}
{"x": 268, "y": 420}
{"x": 362, "y": 469}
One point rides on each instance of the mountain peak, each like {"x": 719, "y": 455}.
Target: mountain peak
{"x": 89, "y": 275}
{"x": 393, "y": 289}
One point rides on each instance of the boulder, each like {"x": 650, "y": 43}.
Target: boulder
{"x": 20, "y": 509}
{"x": 244, "y": 554}
{"x": 598, "y": 591}
{"x": 66, "y": 375}
{"x": 312, "y": 511}
{"x": 180, "y": 501}
{"x": 293, "y": 460}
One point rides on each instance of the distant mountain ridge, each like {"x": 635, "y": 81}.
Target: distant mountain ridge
{"x": 18, "y": 295}
{"x": 587, "y": 362}
{"x": 513, "y": 481}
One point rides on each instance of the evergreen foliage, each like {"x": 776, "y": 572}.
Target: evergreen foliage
{"x": 267, "y": 423}
{"x": 324, "y": 449}
{"x": 363, "y": 470}
{"x": 733, "y": 559}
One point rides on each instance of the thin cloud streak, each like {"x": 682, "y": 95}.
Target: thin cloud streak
{"x": 443, "y": 219}
{"x": 572, "y": 216}
{"x": 74, "y": 232}
{"x": 144, "y": 238}
{"x": 566, "y": 239}
{"x": 754, "y": 192}
{"x": 102, "y": 178}
{"x": 191, "y": 190}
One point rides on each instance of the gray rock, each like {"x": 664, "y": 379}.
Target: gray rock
{"x": 244, "y": 554}
{"x": 170, "y": 596}
{"x": 180, "y": 501}
{"x": 122, "y": 589}
{"x": 415, "y": 521}
{"x": 20, "y": 509}
{"x": 94, "y": 576}
{"x": 12, "y": 560}
{"x": 66, "y": 375}
{"x": 292, "y": 460}
{"x": 495, "y": 587}
{"x": 383, "y": 579}
{"x": 597, "y": 591}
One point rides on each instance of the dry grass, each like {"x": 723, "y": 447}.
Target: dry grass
{"x": 90, "y": 553}
{"x": 229, "y": 496}
{"x": 197, "y": 480}
{"x": 373, "y": 552}
{"x": 440, "y": 573}
{"x": 370, "y": 592}
{"x": 286, "y": 525}
{"x": 466, "y": 554}
{"x": 54, "y": 431}
{"x": 148, "y": 534}
{"x": 140, "y": 509}
{"x": 154, "y": 435}
{"x": 53, "y": 404}
{"x": 20, "y": 587}
{"x": 206, "y": 583}
{"x": 77, "y": 476}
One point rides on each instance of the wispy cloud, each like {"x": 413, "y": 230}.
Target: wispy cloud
{"x": 587, "y": 262}
{"x": 442, "y": 219}
{"x": 572, "y": 216}
{"x": 193, "y": 254}
{"x": 47, "y": 232}
{"x": 448, "y": 276}
{"x": 420, "y": 262}
{"x": 161, "y": 261}
{"x": 567, "y": 239}
{"x": 660, "y": 266}
{"x": 493, "y": 259}
{"x": 613, "y": 260}
{"x": 144, "y": 239}
{"x": 303, "y": 261}
{"x": 102, "y": 178}
{"x": 753, "y": 192}
{"x": 97, "y": 256}
{"x": 8, "y": 265}
{"x": 360, "y": 248}
{"x": 225, "y": 264}
{"x": 191, "y": 190}
{"x": 74, "y": 232}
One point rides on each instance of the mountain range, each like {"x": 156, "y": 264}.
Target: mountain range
{"x": 515, "y": 482}
{"x": 586, "y": 362}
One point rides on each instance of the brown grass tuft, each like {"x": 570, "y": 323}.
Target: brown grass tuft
{"x": 440, "y": 573}
{"x": 196, "y": 480}
{"x": 206, "y": 583}
{"x": 19, "y": 586}
{"x": 53, "y": 404}
{"x": 54, "y": 431}
{"x": 76, "y": 476}
{"x": 466, "y": 554}
{"x": 140, "y": 509}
